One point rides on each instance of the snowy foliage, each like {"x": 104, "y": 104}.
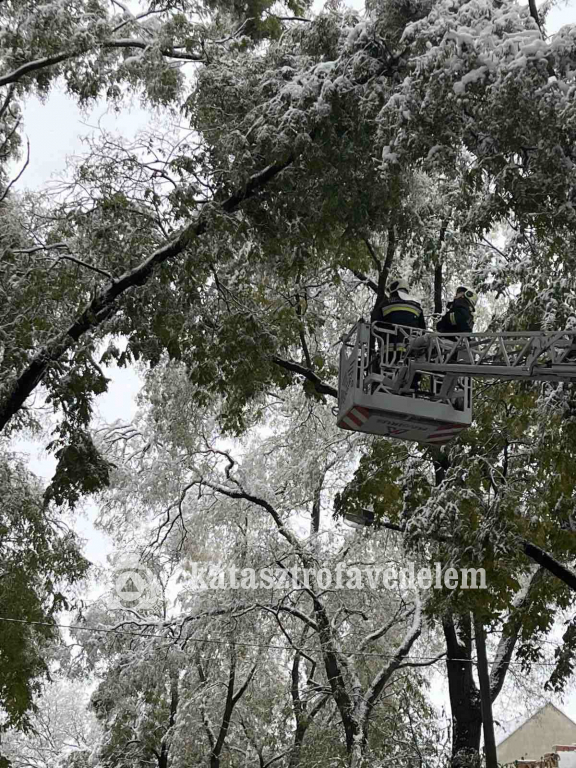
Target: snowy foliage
{"x": 322, "y": 156}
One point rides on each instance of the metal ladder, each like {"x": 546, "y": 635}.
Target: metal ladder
{"x": 531, "y": 355}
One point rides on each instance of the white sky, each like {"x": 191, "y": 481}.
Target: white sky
{"x": 55, "y": 129}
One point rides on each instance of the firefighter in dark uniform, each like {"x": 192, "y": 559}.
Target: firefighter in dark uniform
{"x": 459, "y": 317}
{"x": 398, "y": 309}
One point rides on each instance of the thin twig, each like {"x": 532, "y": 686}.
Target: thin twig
{"x": 67, "y": 256}
{"x": 14, "y": 180}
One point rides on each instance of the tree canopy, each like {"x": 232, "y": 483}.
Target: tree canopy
{"x": 305, "y": 160}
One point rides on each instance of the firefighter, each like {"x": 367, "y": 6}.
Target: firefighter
{"x": 398, "y": 309}
{"x": 459, "y": 317}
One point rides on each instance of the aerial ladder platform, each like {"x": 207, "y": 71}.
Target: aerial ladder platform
{"x": 416, "y": 385}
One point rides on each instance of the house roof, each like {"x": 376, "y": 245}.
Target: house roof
{"x": 548, "y": 706}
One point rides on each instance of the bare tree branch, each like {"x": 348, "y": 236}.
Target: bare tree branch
{"x": 66, "y": 256}
{"x": 364, "y": 279}
{"x": 19, "y": 175}
{"x": 319, "y": 385}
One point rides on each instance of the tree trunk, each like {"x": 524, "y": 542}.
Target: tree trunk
{"x": 485, "y": 696}
{"x": 296, "y": 752}
{"x": 356, "y": 755}
{"x": 438, "y": 289}
{"x": 438, "y": 276}
{"x": 174, "y": 698}
{"x": 464, "y": 696}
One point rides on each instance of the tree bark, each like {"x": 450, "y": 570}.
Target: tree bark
{"x": 301, "y": 715}
{"x": 438, "y": 289}
{"x": 485, "y": 697}
{"x": 438, "y": 276}
{"x": 464, "y": 696}
{"x": 174, "y": 698}
{"x": 383, "y": 272}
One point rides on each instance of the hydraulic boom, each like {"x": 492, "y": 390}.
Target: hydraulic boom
{"x": 533, "y": 355}
{"x": 416, "y": 385}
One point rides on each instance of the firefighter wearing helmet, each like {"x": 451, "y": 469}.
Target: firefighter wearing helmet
{"x": 459, "y": 317}
{"x": 399, "y": 308}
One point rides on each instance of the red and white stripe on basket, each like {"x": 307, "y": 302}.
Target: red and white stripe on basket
{"x": 445, "y": 433}
{"x": 355, "y": 418}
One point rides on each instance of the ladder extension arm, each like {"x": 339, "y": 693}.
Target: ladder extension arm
{"x": 532, "y": 355}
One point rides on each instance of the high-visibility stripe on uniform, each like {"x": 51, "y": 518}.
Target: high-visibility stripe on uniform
{"x": 453, "y": 318}
{"x": 400, "y": 308}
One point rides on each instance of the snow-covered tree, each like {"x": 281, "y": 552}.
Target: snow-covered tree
{"x": 40, "y": 558}
{"x": 310, "y": 144}
{"x": 63, "y": 731}
{"x": 339, "y": 653}
{"x": 316, "y": 165}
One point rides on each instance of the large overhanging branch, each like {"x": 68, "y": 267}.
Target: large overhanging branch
{"x": 548, "y": 562}
{"x": 105, "y": 303}
{"x": 309, "y": 375}
{"x": 33, "y": 66}
{"x": 50, "y": 61}
{"x": 535, "y": 553}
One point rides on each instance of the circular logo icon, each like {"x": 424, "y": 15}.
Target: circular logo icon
{"x": 134, "y": 585}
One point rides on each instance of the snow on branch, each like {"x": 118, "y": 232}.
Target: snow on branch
{"x": 510, "y": 633}
{"x": 64, "y": 256}
{"x": 33, "y": 66}
{"x": 386, "y": 672}
{"x": 105, "y": 303}
{"x": 49, "y": 61}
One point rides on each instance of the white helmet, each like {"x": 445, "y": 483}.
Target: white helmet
{"x": 472, "y": 297}
{"x": 399, "y": 285}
